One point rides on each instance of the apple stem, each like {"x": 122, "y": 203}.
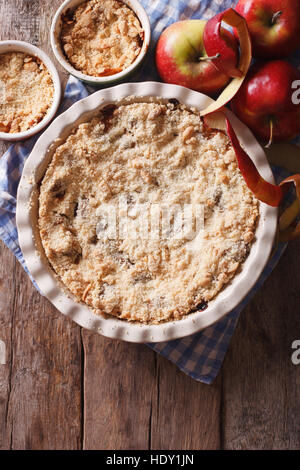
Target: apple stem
{"x": 275, "y": 17}
{"x": 210, "y": 58}
{"x": 271, "y": 134}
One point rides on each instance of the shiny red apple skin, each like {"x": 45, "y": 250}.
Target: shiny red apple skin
{"x": 267, "y": 94}
{"x": 177, "y": 58}
{"x": 273, "y": 41}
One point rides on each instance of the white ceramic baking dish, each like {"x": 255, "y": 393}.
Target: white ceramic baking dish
{"x": 21, "y": 46}
{"x": 70, "y": 5}
{"x": 27, "y": 210}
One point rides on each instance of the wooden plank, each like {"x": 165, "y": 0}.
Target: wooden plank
{"x": 7, "y": 294}
{"x": 40, "y": 391}
{"x": 135, "y": 399}
{"x": 119, "y": 392}
{"x": 261, "y": 385}
{"x": 20, "y": 20}
{"x": 186, "y": 414}
{"x": 44, "y": 409}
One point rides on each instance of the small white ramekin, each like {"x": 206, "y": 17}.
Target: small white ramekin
{"x": 55, "y": 33}
{"x": 21, "y": 46}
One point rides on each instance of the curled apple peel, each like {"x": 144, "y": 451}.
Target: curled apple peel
{"x": 264, "y": 191}
{"x": 288, "y": 228}
{"x": 215, "y": 43}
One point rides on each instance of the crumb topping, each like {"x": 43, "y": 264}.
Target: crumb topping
{"x": 26, "y": 91}
{"x": 101, "y": 38}
{"x": 148, "y": 153}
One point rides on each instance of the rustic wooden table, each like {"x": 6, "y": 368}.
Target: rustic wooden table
{"x": 67, "y": 388}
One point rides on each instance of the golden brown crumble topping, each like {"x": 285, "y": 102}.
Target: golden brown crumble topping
{"x": 147, "y": 153}
{"x": 101, "y": 37}
{"x": 26, "y": 91}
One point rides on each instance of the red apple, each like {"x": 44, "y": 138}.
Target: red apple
{"x": 264, "y": 101}
{"x": 274, "y": 26}
{"x": 181, "y": 57}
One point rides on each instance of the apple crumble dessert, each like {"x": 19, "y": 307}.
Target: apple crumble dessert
{"x": 101, "y": 37}
{"x": 103, "y": 203}
{"x": 26, "y": 91}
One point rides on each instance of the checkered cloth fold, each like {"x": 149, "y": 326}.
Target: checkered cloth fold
{"x": 201, "y": 355}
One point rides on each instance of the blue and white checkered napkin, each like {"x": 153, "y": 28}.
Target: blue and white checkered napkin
{"x": 200, "y": 356}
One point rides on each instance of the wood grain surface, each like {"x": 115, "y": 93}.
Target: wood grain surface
{"x": 67, "y": 388}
